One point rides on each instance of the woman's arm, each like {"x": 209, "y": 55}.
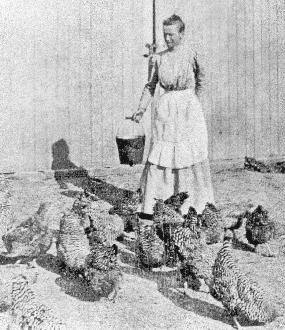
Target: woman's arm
{"x": 147, "y": 93}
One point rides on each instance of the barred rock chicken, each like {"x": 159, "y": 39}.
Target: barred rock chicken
{"x": 240, "y": 296}
{"x": 176, "y": 201}
{"x": 212, "y": 223}
{"x": 178, "y": 237}
{"x": 100, "y": 234}
{"x": 186, "y": 236}
{"x": 101, "y": 266}
{"x": 252, "y": 164}
{"x": 165, "y": 232}
{"x": 198, "y": 259}
{"x": 165, "y": 213}
{"x": 259, "y": 227}
{"x": 30, "y": 238}
{"x": 199, "y": 264}
{"x": 111, "y": 225}
{"x": 188, "y": 242}
{"x": 72, "y": 244}
{"x": 27, "y": 312}
{"x": 150, "y": 246}
{"x": 127, "y": 208}
{"x": 84, "y": 252}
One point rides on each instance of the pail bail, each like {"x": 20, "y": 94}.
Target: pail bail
{"x": 130, "y": 140}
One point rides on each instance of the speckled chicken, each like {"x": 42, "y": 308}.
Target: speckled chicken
{"x": 163, "y": 213}
{"x": 212, "y": 224}
{"x": 101, "y": 266}
{"x": 178, "y": 237}
{"x": 188, "y": 241}
{"x": 84, "y": 252}
{"x": 30, "y": 238}
{"x": 240, "y": 295}
{"x": 72, "y": 243}
{"x": 111, "y": 225}
{"x": 186, "y": 236}
{"x": 127, "y": 208}
{"x": 27, "y": 312}
{"x": 150, "y": 248}
{"x": 167, "y": 221}
{"x": 259, "y": 227}
{"x": 198, "y": 266}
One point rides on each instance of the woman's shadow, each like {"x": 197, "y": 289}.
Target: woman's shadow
{"x": 65, "y": 171}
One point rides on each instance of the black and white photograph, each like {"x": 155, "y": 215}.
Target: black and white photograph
{"x": 142, "y": 167}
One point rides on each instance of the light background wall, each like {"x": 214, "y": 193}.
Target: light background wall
{"x": 73, "y": 69}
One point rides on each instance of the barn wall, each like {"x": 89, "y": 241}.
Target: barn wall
{"x": 72, "y": 69}
{"x": 241, "y": 43}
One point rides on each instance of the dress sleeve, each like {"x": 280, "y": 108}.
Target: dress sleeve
{"x": 149, "y": 89}
{"x": 198, "y": 73}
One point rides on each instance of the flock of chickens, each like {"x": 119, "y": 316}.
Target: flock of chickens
{"x": 86, "y": 248}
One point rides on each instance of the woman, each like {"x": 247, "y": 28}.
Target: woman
{"x": 178, "y": 156}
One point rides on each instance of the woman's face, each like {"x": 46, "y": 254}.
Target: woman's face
{"x": 172, "y": 36}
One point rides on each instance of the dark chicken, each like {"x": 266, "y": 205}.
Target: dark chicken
{"x": 177, "y": 200}
{"x": 252, "y": 164}
{"x": 259, "y": 227}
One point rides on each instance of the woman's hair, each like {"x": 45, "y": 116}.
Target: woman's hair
{"x": 175, "y": 19}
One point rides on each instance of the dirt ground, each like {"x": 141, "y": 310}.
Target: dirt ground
{"x": 142, "y": 302}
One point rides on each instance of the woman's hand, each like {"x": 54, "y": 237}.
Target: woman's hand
{"x": 137, "y": 116}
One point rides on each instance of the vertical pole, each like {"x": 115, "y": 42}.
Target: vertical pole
{"x": 153, "y": 26}
{"x": 152, "y": 48}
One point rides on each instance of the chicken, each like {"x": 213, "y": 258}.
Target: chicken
{"x": 111, "y": 225}
{"x": 164, "y": 213}
{"x": 176, "y": 201}
{"x": 27, "y": 312}
{"x": 279, "y": 167}
{"x": 72, "y": 244}
{"x": 127, "y": 208}
{"x": 178, "y": 236}
{"x": 150, "y": 250}
{"x": 240, "y": 295}
{"x": 252, "y": 164}
{"x": 31, "y": 238}
{"x": 84, "y": 251}
{"x": 259, "y": 227}
{"x": 167, "y": 221}
{"x": 212, "y": 223}
{"x": 101, "y": 266}
{"x": 188, "y": 241}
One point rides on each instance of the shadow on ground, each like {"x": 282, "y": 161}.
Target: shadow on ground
{"x": 69, "y": 282}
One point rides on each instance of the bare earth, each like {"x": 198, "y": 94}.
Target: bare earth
{"x": 143, "y": 302}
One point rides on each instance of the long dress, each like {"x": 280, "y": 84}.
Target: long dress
{"x": 178, "y": 155}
